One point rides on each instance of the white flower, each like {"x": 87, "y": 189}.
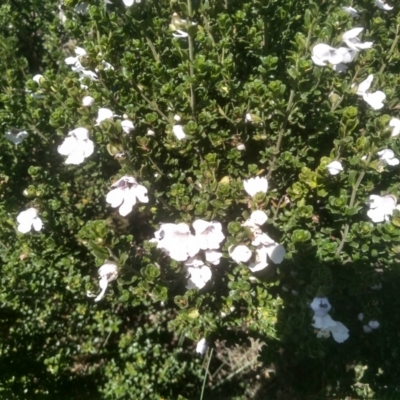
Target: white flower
{"x": 364, "y": 86}
{"x": 108, "y": 272}
{"x": 124, "y": 194}
{"x": 213, "y": 256}
{"x": 87, "y": 101}
{"x": 77, "y": 146}
{"x": 320, "y": 306}
{"x": 197, "y": 276}
{"x": 208, "y": 234}
{"x": 129, "y": 3}
{"x": 395, "y": 124}
{"x": 334, "y": 167}
{"x": 375, "y": 100}
{"x": 28, "y": 219}
{"x": 127, "y": 126}
{"x": 350, "y": 10}
{"x": 177, "y": 118}
{"x": 16, "y": 136}
{"x": 323, "y": 53}
{"x": 37, "y": 78}
{"x": 201, "y": 346}
{"x": 248, "y": 118}
{"x": 383, "y": 6}
{"x": 150, "y": 132}
{"x": 177, "y": 241}
{"x": 241, "y": 254}
{"x": 85, "y": 73}
{"x": 258, "y": 217}
{"x": 80, "y": 52}
{"x": 103, "y": 114}
{"x": 367, "y": 329}
{"x": 350, "y": 38}
{"x": 374, "y": 324}
{"x": 255, "y": 185}
{"x": 178, "y": 132}
{"x": 180, "y": 34}
{"x": 360, "y": 316}
{"x": 387, "y": 157}
{"x": 381, "y": 207}
{"x": 327, "y": 326}
{"x": 106, "y": 65}
{"x": 266, "y": 247}
{"x": 241, "y": 147}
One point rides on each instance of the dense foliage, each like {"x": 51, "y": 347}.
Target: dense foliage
{"x": 218, "y": 92}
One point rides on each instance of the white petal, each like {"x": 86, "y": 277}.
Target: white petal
{"x": 24, "y": 227}
{"x": 259, "y": 217}
{"x": 276, "y": 253}
{"x": 393, "y": 161}
{"x": 352, "y": 33}
{"x": 128, "y": 3}
{"x": 129, "y": 202}
{"x": 88, "y": 148}
{"x": 127, "y": 126}
{"x": 201, "y": 346}
{"x": 318, "y": 61}
{"x": 374, "y": 324}
{"x": 325, "y": 322}
{"x": 213, "y": 257}
{"x": 375, "y": 100}
{"x": 178, "y": 132}
{"x": 80, "y": 51}
{"x": 395, "y": 124}
{"x": 376, "y": 215}
{"x": 76, "y": 157}
{"x": 322, "y": 51}
{"x": 364, "y": 86}
{"x": 103, "y": 114}
{"x": 27, "y": 216}
{"x": 141, "y": 193}
{"x": 335, "y": 167}
{"x": 348, "y": 55}
{"x": 68, "y": 146}
{"x": 37, "y": 224}
{"x": 383, "y": 6}
{"x": 87, "y": 101}
{"x": 320, "y": 306}
{"x": 115, "y": 197}
{"x": 339, "y": 332}
{"x": 350, "y": 10}
{"x": 240, "y": 254}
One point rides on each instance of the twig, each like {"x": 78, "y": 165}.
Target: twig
{"x": 351, "y": 204}
{"x": 205, "y": 375}
{"x": 281, "y": 132}
{"x": 191, "y": 59}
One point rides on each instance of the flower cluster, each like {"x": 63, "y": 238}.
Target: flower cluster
{"x": 382, "y": 207}
{"x": 370, "y": 326}
{"x": 265, "y": 248}
{"x": 178, "y": 242}
{"x": 324, "y": 323}
{"x": 323, "y": 54}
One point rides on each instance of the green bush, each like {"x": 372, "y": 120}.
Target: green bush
{"x": 217, "y": 93}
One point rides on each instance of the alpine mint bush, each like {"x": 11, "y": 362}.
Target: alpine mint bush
{"x": 180, "y": 174}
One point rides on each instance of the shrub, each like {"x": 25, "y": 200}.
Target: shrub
{"x": 163, "y": 113}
